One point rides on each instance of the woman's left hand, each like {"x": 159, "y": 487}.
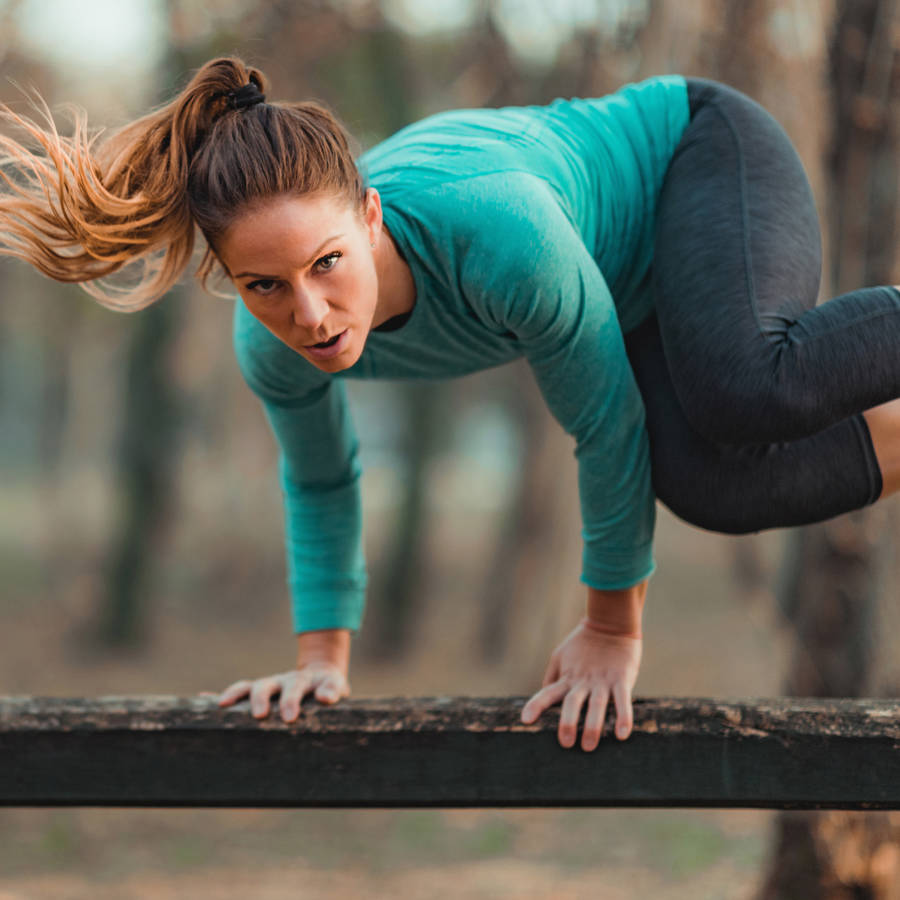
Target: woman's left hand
{"x": 588, "y": 665}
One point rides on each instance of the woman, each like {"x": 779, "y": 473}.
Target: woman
{"x": 654, "y": 254}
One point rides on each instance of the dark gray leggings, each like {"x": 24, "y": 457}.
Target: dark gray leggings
{"x": 753, "y": 394}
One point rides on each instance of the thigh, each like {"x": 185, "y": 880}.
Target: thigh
{"x": 738, "y": 242}
{"x": 737, "y": 255}
{"x": 736, "y": 275}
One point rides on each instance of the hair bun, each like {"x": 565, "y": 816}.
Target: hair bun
{"x": 246, "y": 96}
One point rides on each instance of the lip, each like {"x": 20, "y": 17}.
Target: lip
{"x": 333, "y": 350}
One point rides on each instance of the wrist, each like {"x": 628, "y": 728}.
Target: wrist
{"x": 330, "y": 645}
{"x": 610, "y": 630}
{"x": 617, "y": 611}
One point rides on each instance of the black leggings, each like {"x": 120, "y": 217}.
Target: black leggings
{"x": 753, "y": 394}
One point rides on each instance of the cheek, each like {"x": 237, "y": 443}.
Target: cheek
{"x": 357, "y": 291}
{"x": 368, "y": 285}
{"x": 257, "y": 310}
{"x": 265, "y": 313}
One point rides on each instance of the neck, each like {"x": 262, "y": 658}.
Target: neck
{"x": 396, "y": 286}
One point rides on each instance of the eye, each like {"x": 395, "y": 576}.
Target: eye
{"x": 264, "y": 286}
{"x": 334, "y": 257}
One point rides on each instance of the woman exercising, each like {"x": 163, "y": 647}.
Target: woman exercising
{"x": 654, "y": 254}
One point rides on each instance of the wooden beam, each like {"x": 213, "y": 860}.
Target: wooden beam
{"x": 446, "y": 752}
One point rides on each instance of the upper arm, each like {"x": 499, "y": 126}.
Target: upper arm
{"x": 534, "y": 276}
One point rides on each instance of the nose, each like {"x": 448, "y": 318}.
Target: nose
{"x": 309, "y": 310}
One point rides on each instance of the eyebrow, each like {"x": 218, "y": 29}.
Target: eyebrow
{"x": 312, "y": 259}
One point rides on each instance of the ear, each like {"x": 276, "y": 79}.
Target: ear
{"x": 372, "y": 213}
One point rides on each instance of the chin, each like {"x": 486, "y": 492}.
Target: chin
{"x": 331, "y": 365}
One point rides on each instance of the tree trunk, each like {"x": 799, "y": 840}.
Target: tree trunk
{"x": 830, "y": 594}
{"x": 398, "y": 601}
{"x": 145, "y": 463}
{"x": 146, "y": 466}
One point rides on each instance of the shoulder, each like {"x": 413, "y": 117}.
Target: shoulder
{"x": 523, "y": 262}
{"x": 271, "y": 369}
{"x": 476, "y": 212}
{"x": 514, "y": 223}
{"x": 494, "y": 235}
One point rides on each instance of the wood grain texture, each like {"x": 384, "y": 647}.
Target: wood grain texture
{"x": 789, "y": 753}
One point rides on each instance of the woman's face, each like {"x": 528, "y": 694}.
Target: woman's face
{"x": 305, "y": 267}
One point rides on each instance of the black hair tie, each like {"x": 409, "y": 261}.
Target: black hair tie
{"x": 246, "y": 96}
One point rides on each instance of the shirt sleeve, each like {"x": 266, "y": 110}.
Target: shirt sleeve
{"x": 319, "y": 475}
{"x": 533, "y": 275}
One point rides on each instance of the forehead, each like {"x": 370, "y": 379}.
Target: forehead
{"x": 283, "y": 230}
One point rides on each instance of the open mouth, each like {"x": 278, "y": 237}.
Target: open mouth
{"x": 332, "y": 347}
{"x": 329, "y": 343}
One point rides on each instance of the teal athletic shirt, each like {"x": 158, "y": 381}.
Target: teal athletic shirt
{"x": 529, "y": 232}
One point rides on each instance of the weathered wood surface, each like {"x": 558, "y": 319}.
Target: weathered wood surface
{"x": 788, "y": 753}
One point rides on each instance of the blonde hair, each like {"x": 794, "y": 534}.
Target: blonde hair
{"x": 81, "y": 208}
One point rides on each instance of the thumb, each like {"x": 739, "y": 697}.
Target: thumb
{"x": 552, "y": 672}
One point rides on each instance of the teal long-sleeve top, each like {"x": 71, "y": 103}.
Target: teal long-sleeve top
{"x": 528, "y": 232}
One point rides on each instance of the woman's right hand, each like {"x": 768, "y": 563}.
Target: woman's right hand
{"x": 326, "y": 680}
{"x": 323, "y": 660}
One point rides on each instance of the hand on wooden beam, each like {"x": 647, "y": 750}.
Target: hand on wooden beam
{"x": 599, "y": 658}
{"x": 588, "y": 665}
{"x": 323, "y": 660}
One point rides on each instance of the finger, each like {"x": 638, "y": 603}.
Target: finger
{"x": 543, "y": 699}
{"x": 329, "y": 691}
{"x": 234, "y": 692}
{"x": 568, "y": 718}
{"x": 624, "y": 715}
{"x": 262, "y": 690}
{"x": 292, "y": 694}
{"x": 594, "y": 718}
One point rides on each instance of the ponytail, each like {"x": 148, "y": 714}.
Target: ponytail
{"x": 82, "y": 208}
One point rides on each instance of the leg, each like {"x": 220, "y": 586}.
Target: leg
{"x": 884, "y": 426}
{"x": 736, "y": 277}
{"x": 738, "y": 489}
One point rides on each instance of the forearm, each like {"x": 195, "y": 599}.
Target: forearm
{"x": 617, "y": 612}
{"x": 326, "y": 645}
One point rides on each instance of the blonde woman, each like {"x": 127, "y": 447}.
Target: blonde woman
{"x": 654, "y": 254}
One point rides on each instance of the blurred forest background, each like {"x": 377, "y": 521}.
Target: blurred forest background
{"x": 141, "y": 542}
